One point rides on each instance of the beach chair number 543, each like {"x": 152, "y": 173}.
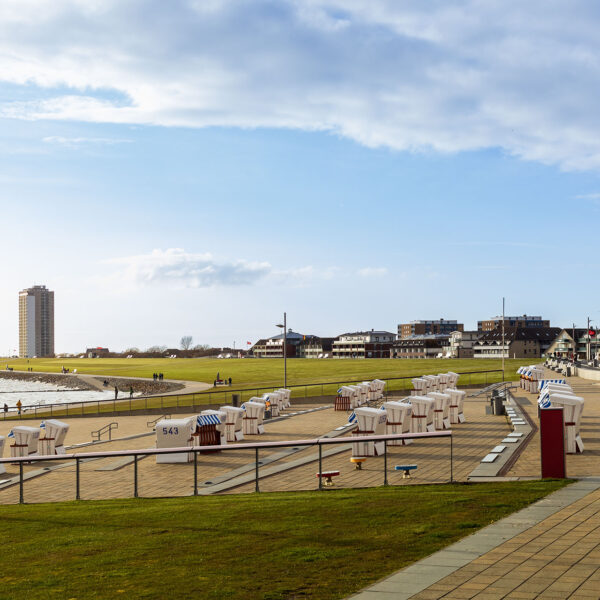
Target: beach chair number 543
{"x": 170, "y": 430}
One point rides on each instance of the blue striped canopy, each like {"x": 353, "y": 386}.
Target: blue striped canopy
{"x": 208, "y": 420}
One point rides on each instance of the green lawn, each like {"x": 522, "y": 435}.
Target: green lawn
{"x": 320, "y": 545}
{"x": 264, "y": 372}
{"x": 257, "y": 376}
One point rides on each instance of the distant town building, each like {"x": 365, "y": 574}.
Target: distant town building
{"x": 461, "y": 344}
{"x": 313, "y": 346}
{"x": 519, "y": 342}
{"x": 36, "y": 322}
{"x": 439, "y": 327}
{"x": 363, "y": 344}
{"x": 563, "y": 346}
{"x": 421, "y": 346}
{"x": 98, "y": 352}
{"x": 273, "y": 347}
{"x": 520, "y": 321}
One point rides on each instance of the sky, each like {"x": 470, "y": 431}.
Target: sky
{"x": 198, "y": 167}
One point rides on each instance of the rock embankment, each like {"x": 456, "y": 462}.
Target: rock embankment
{"x": 66, "y": 381}
{"x": 140, "y": 386}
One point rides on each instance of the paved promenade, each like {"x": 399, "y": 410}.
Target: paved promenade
{"x": 550, "y": 550}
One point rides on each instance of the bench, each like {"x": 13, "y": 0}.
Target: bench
{"x": 407, "y": 469}
{"x": 328, "y": 476}
{"x": 358, "y": 461}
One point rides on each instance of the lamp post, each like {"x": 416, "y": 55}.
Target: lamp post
{"x": 502, "y": 339}
{"x": 284, "y": 326}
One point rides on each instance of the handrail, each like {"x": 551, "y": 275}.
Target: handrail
{"x": 137, "y": 454}
{"x": 124, "y": 402}
{"x": 155, "y": 421}
{"x": 104, "y": 429}
{"x": 246, "y": 446}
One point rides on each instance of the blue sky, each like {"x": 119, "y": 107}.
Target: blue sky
{"x": 200, "y": 167}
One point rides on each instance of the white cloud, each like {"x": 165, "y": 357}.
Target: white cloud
{"x": 176, "y": 267}
{"x": 372, "y": 272}
{"x": 593, "y": 196}
{"x": 76, "y": 142}
{"x": 448, "y": 77}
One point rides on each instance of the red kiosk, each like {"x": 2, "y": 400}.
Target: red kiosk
{"x": 552, "y": 442}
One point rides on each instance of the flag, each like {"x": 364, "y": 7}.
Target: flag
{"x": 11, "y": 434}
{"x": 42, "y": 425}
{"x": 352, "y": 417}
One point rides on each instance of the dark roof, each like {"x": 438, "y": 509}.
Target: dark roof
{"x": 372, "y": 332}
{"x": 579, "y": 331}
{"x": 291, "y": 335}
{"x": 511, "y": 334}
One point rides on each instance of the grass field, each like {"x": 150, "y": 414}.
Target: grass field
{"x": 319, "y": 545}
{"x": 257, "y": 376}
{"x": 263, "y": 372}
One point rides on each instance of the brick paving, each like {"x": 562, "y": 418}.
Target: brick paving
{"x": 578, "y": 465}
{"x": 471, "y": 441}
{"x": 557, "y": 558}
{"x": 110, "y": 478}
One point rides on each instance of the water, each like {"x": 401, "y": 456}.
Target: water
{"x": 36, "y": 393}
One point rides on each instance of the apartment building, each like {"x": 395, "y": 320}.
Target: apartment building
{"x": 438, "y": 327}
{"x": 421, "y": 346}
{"x": 363, "y": 344}
{"x": 570, "y": 338}
{"x": 36, "y": 322}
{"x": 313, "y": 346}
{"x": 519, "y": 342}
{"x": 273, "y": 347}
{"x": 461, "y": 343}
{"x": 519, "y": 321}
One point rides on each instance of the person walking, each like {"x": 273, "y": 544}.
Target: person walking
{"x": 19, "y": 405}
{"x": 5, "y": 408}
{"x": 130, "y": 391}
{"x": 230, "y": 380}
{"x": 116, "y": 392}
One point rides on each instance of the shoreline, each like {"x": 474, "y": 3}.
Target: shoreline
{"x": 94, "y": 383}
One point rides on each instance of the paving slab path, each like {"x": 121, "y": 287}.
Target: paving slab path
{"x": 548, "y": 550}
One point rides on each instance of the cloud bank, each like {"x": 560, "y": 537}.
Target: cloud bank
{"x": 416, "y": 76}
{"x": 176, "y": 267}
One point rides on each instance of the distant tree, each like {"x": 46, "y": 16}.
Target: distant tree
{"x": 133, "y": 350}
{"x": 156, "y": 349}
{"x": 186, "y": 342}
{"x": 201, "y": 347}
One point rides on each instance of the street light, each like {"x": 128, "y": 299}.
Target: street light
{"x": 284, "y": 327}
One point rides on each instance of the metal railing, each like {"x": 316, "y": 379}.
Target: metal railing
{"x": 155, "y": 421}
{"x": 97, "y": 435}
{"x": 136, "y": 454}
{"x": 222, "y": 396}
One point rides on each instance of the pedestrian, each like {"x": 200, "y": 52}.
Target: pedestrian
{"x": 160, "y": 376}
{"x": 154, "y": 376}
{"x": 19, "y": 405}
{"x": 218, "y": 378}
{"x": 5, "y": 408}
{"x": 116, "y": 392}
{"x": 230, "y": 380}
{"x": 130, "y": 391}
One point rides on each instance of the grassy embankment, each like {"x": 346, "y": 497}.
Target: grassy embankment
{"x": 320, "y": 545}
{"x": 253, "y": 374}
